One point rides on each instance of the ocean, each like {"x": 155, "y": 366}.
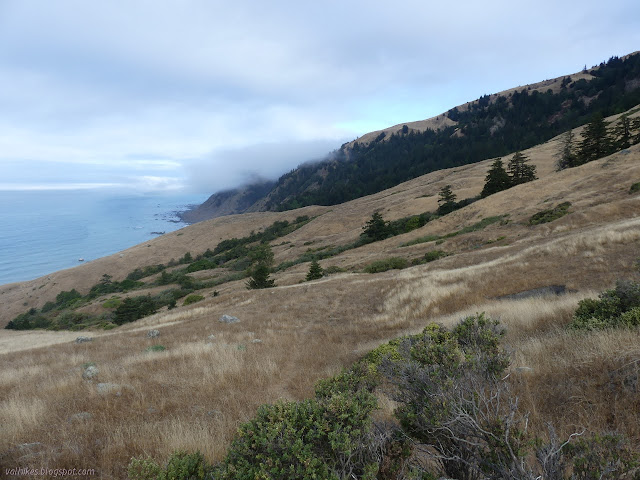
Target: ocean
{"x": 45, "y": 231}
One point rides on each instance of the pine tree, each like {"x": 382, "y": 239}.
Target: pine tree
{"x": 447, "y": 200}
{"x": 315, "y": 271}
{"x": 567, "y": 156}
{"x": 635, "y": 125}
{"x": 262, "y": 257}
{"x": 519, "y": 170}
{"x": 596, "y": 142}
{"x": 260, "y": 277}
{"x": 496, "y": 180}
{"x": 622, "y": 133}
{"x": 376, "y": 229}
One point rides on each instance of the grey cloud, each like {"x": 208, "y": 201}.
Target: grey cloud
{"x": 233, "y": 167}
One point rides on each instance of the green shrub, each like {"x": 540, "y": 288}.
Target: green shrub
{"x": 71, "y": 320}
{"x": 29, "y": 320}
{"x": 113, "y": 302}
{"x": 619, "y": 307}
{"x": 386, "y": 264}
{"x": 48, "y": 307}
{"x": 546, "y": 216}
{"x": 193, "y": 298}
{"x": 181, "y": 466}
{"x": 451, "y": 397}
{"x": 333, "y": 269}
{"x": 635, "y": 188}
{"x": 316, "y": 438}
{"x": 602, "y": 457}
{"x": 155, "y": 348}
{"x": 133, "y": 308}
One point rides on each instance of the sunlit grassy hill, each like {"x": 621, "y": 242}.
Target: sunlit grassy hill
{"x": 212, "y": 375}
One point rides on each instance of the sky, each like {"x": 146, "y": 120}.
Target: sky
{"x": 203, "y": 95}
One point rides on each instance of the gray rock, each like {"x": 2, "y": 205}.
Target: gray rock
{"x": 153, "y": 333}
{"x": 228, "y": 319}
{"x": 256, "y": 340}
{"x": 90, "y": 372}
{"x": 524, "y": 369}
{"x": 104, "y": 388}
{"x": 84, "y": 339}
{"x": 537, "y": 292}
{"x": 80, "y": 417}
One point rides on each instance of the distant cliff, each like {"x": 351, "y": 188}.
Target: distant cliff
{"x": 229, "y": 202}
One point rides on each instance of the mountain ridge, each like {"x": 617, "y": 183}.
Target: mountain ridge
{"x": 464, "y": 134}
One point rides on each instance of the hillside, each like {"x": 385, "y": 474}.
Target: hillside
{"x": 213, "y": 375}
{"x": 490, "y": 126}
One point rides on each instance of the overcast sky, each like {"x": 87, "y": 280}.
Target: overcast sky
{"x": 197, "y": 94}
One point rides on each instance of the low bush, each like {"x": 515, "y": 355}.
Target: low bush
{"x": 155, "y": 348}
{"x": 181, "y": 466}
{"x": 546, "y": 216}
{"x": 327, "y": 437}
{"x": 619, "y": 307}
{"x": 386, "y": 264}
{"x": 113, "y": 302}
{"x": 193, "y": 298}
{"x": 635, "y": 188}
{"x": 134, "y": 308}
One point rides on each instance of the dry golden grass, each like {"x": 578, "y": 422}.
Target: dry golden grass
{"x": 194, "y": 394}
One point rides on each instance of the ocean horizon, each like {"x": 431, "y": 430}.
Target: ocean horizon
{"x": 43, "y": 231}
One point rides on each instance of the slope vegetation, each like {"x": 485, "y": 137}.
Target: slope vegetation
{"x": 189, "y": 387}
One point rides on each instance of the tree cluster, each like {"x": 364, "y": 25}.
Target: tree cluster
{"x": 518, "y": 171}
{"x": 598, "y": 140}
{"x": 487, "y": 129}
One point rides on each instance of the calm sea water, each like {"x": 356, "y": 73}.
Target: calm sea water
{"x": 45, "y": 231}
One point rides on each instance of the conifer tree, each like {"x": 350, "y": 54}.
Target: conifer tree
{"x": 377, "y": 228}
{"x": 260, "y": 277}
{"x": 519, "y": 170}
{"x": 447, "y": 200}
{"x": 315, "y": 271}
{"x": 622, "y": 133}
{"x": 596, "y": 142}
{"x": 567, "y": 156}
{"x": 496, "y": 180}
{"x": 262, "y": 256}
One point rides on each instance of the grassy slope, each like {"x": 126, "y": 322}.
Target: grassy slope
{"x": 193, "y": 395}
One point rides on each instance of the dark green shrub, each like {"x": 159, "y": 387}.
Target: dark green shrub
{"x": 29, "y": 320}
{"x": 193, "y": 298}
{"x": 48, "y": 307}
{"x": 546, "y": 216}
{"x": 186, "y": 258}
{"x": 386, "y": 264}
{"x": 635, "y": 188}
{"x": 65, "y": 299}
{"x": 131, "y": 309}
{"x": 71, "y": 320}
{"x": 202, "y": 264}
